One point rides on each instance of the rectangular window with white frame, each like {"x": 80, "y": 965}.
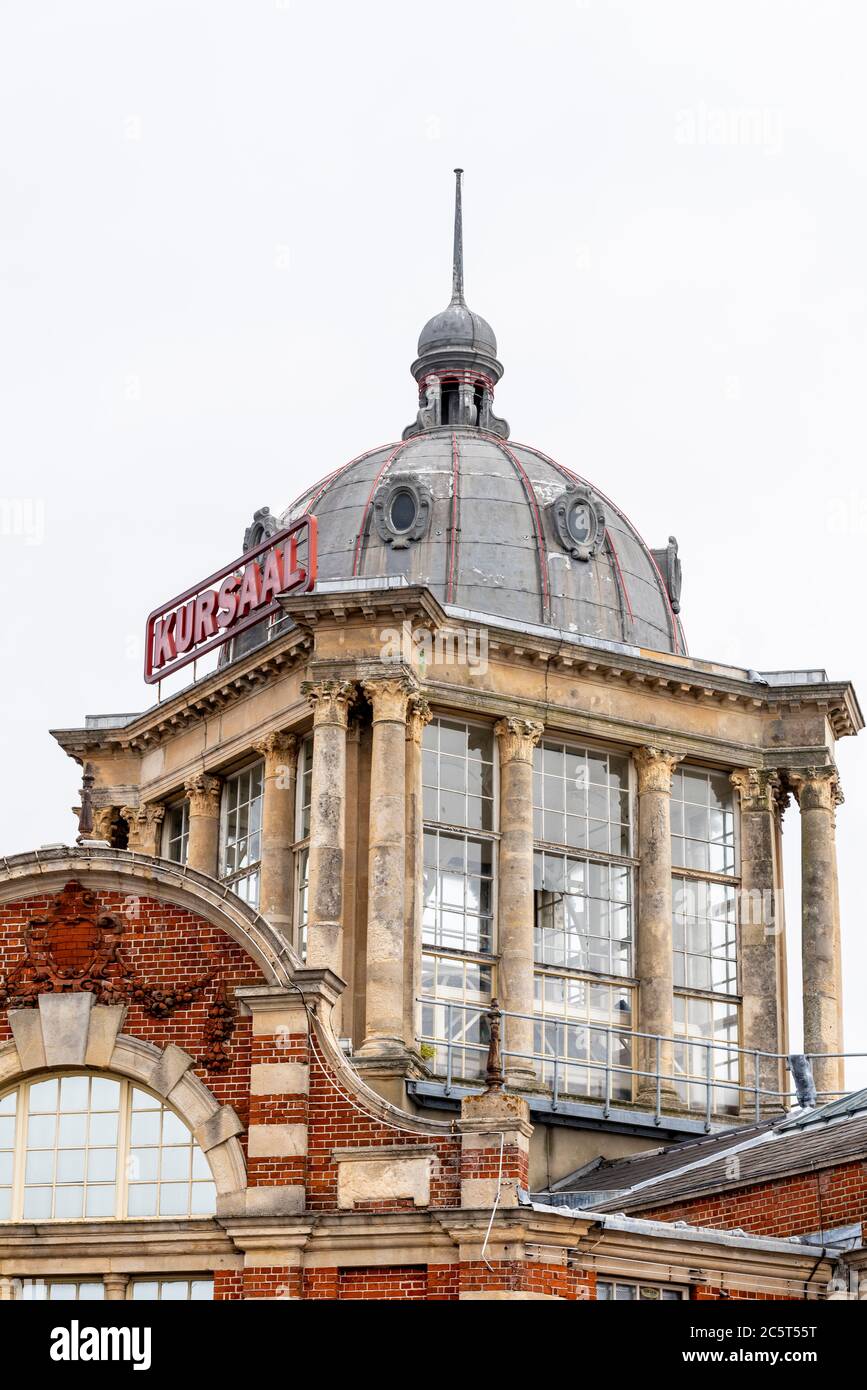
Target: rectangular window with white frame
{"x": 459, "y": 911}
{"x": 583, "y": 892}
{"x": 176, "y": 832}
{"x": 705, "y": 883}
{"x": 241, "y": 832}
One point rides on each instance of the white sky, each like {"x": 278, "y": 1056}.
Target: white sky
{"x": 223, "y": 225}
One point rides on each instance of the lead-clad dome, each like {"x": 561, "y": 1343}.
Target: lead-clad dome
{"x": 457, "y": 326}
{"x": 497, "y": 528}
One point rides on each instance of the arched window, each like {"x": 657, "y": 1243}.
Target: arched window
{"x": 82, "y": 1146}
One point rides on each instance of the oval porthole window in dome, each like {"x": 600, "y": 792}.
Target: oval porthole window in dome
{"x": 403, "y": 510}
{"x": 581, "y": 522}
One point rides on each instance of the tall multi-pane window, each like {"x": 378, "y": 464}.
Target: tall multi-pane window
{"x": 458, "y": 924}
{"x": 304, "y": 794}
{"x": 241, "y": 840}
{"x": 85, "y": 1146}
{"x": 583, "y": 928}
{"x": 705, "y": 937}
{"x": 177, "y": 832}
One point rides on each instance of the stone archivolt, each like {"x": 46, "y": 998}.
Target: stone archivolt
{"x": 77, "y": 948}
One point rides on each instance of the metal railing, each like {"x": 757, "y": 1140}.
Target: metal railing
{"x": 652, "y": 1087}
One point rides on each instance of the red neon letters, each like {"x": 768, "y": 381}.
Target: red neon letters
{"x": 226, "y": 603}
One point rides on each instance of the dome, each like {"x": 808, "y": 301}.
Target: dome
{"x": 498, "y": 529}
{"x": 457, "y": 326}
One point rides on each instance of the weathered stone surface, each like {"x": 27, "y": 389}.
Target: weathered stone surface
{"x": 65, "y": 1026}
{"x": 172, "y": 1065}
{"x": 277, "y": 1141}
{"x": 106, "y": 1021}
{"x": 26, "y": 1026}
{"x": 653, "y": 941}
{"x": 221, "y": 1126}
{"x": 279, "y": 1079}
{"x": 391, "y": 1176}
{"x": 516, "y": 739}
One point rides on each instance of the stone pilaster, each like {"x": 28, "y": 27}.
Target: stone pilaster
{"x": 516, "y": 739}
{"x": 495, "y": 1135}
{"x": 330, "y": 701}
{"x": 203, "y": 845}
{"x": 418, "y": 716}
{"x": 384, "y": 1025}
{"x": 280, "y": 754}
{"x": 654, "y": 963}
{"x": 818, "y": 793}
{"x": 761, "y": 931}
{"x": 115, "y": 1287}
{"x": 145, "y": 827}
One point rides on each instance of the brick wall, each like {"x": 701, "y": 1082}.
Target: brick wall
{"x": 165, "y": 946}
{"x": 790, "y": 1206}
{"x": 338, "y": 1122}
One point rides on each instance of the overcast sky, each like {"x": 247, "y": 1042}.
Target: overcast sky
{"x": 223, "y": 225}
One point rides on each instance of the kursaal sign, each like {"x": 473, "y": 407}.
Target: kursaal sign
{"x": 234, "y": 598}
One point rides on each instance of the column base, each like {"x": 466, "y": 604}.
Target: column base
{"x": 668, "y": 1099}
{"x": 388, "y": 1057}
{"x": 523, "y": 1079}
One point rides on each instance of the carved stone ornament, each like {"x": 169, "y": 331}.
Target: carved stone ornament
{"x": 579, "y": 521}
{"x": 402, "y": 511}
{"x": 671, "y": 570}
{"x": 654, "y": 767}
{"x": 77, "y": 948}
{"x": 518, "y": 738}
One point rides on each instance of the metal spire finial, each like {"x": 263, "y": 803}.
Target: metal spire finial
{"x": 458, "y": 258}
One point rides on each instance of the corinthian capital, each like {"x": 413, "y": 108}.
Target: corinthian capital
{"x": 279, "y": 751}
{"x": 389, "y": 697}
{"x": 654, "y": 767}
{"x": 417, "y": 716}
{"x": 330, "y": 701}
{"x": 204, "y": 795}
{"x": 816, "y": 788}
{"x": 144, "y": 825}
{"x": 518, "y": 738}
{"x": 758, "y": 788}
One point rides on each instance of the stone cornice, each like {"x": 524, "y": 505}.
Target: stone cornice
{"x": 670, "y": 677}
{"x": 36, "y": 1242}
{"x": 208, "y": 696}
{"x": 322, "y": 608}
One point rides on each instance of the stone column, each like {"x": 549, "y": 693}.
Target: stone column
{"x": 384, "y": 1014}
{"x": 761, "y": 932}
{"x": 818, "y": 793}
{"x": 145, "y": 827}
{"x": 516, "y": 738}
{"x": 115, "y": 1286}
{"x": 654, "y": 964}
{"x": 280, "y": 752}
{"x": 330, "y": 701}
{"x": 418, "y": 715}
{"x": 203, "y": 844}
